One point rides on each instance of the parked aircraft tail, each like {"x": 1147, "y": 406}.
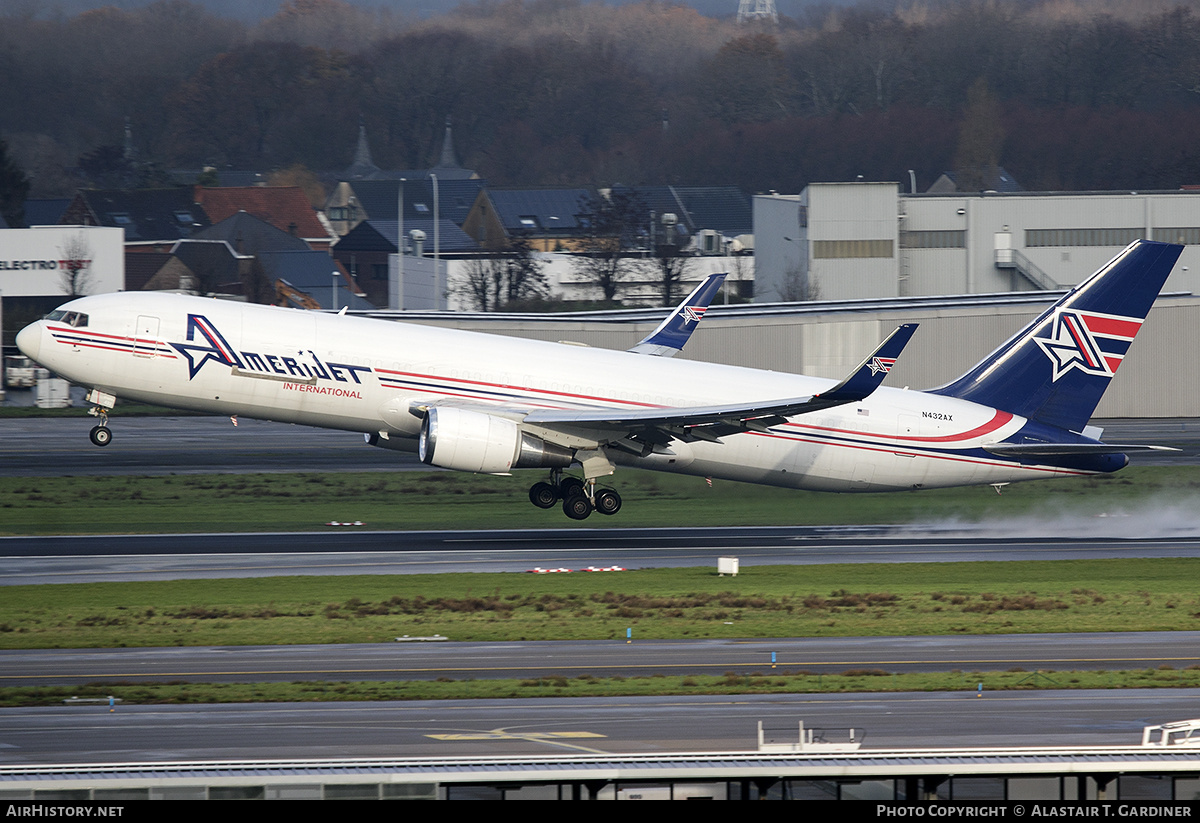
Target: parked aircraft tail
{"x": 1055, "y": 370}
{"x": 673, "y": 333}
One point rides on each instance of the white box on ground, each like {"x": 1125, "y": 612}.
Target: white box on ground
{"x": 52, "y": 392}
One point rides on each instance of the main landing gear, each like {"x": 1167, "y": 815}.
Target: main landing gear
{"x": 579, "y": 497}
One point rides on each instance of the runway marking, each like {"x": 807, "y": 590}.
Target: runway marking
{"x": 514, "y": 735}
{"x": 556, "y": 739}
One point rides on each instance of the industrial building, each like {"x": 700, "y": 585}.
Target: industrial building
{"x": 844, "y": 241}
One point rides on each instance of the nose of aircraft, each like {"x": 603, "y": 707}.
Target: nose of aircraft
{"x": 29, "y": 340}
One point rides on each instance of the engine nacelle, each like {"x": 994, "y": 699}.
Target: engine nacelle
{"x": 471, "y": 441}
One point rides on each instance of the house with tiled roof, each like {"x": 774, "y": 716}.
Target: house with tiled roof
{"x": 550, "y": 219}
{"x": 357, "y": 200}
{"x": 365, "y": 249}
{"x": 709, "y": 216}
{"x": 287, "y": 208}
{"x": 304, "y": 279}
{"x": 249, "y": 234}
{"x": 158, "y": 267}
{"x": 231, "y": 257}
{"x": 146, "y": 215}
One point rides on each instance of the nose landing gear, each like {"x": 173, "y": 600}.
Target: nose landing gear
{"x": 100, "y": 434}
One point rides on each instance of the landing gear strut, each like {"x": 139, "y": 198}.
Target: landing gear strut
{"x": 579, "y": 497}
{"x": 100, "y": 434}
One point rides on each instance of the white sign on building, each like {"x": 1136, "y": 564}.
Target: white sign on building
{"x": 61, "y": 260}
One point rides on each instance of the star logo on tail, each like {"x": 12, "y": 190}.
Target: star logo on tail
{"x": 1094, "y": 344}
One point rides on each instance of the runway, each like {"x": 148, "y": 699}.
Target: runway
{"x": 58, "y": 446}
{"x": 600, "y": 658}
{"x": 95, "y": 558}
{"x": 93, "y": 734}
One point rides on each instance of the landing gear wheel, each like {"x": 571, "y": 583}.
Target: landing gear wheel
{"x": 577, "y": 507}
{"x": 608, "y": 501}
{"x": 101, "y": 435}
{"x": 543, "y": 495}
{"x": 570, "y": 487}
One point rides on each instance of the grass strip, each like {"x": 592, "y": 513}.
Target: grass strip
{"x": 731, "y": 683}
{"x": 449, "y": 500}
{"x": 836, "y": 600}
{"x": 128, "y": 409}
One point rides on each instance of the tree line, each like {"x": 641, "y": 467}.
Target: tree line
{"x": 1077, "y": 94}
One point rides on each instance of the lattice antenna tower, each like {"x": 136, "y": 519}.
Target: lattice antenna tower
{"x": 757, "y": 10}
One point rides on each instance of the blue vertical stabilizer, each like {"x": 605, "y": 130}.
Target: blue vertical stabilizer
{"x": 1056, "y": 369}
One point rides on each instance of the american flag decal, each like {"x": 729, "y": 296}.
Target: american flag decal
{"x": 693, "y": 314}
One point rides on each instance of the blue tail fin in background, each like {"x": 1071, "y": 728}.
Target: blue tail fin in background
{"x": 673, "y": 333}
{"x": 1056, "y": 369}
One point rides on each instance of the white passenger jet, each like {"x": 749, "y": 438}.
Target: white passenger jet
{"x": 483, "y": 403}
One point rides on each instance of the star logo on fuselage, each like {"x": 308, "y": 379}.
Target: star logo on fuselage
{"x": 216, "y": 348}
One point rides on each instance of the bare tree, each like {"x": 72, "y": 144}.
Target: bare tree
{"x": 797, "y": 287}
{"x": 670, "y": 266}
{"x": 514, "y": 275}
{"x": 75, "y": 266}
{"x": 615, "y": 225}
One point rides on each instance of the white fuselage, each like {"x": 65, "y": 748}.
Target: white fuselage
{"x": 365, "y": 375}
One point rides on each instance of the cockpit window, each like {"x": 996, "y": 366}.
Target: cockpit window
{"x": 71, "y": 318}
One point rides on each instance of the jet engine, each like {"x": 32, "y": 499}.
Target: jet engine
{"x": 472, "y": 441}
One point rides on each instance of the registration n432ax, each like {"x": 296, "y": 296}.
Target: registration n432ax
{"x": 482, "y": 403}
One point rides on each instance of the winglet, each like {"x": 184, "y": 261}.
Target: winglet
{"x": 870, "y": 373}
{"x": 673, "y": 333}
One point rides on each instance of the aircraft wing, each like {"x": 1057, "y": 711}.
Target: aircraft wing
{"x": 673, "y": 333}
{"x": 650, "y": 427}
